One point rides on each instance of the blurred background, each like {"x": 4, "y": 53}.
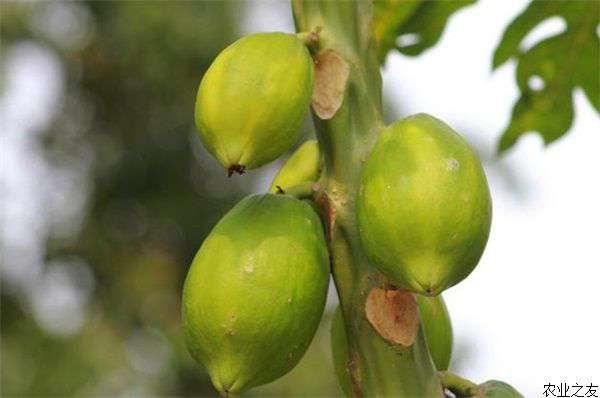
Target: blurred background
{"x": 106, "y": 194}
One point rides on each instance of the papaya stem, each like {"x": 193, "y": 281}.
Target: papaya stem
{"x": 376, "y": 366}
{"x": 461, "y": 387}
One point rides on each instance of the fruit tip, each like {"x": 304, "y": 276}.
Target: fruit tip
{"x": 236, "y": 168}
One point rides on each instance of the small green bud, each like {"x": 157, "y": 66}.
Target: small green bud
{"x": 302, "y": 167}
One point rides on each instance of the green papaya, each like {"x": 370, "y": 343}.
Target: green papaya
{"x": 301, "y": 167}
{"x": 423, "y": 206}
{"x": 256, "y": 291}
{"x": 252, "y": 99}
{"x": 461, "y": 387}
{"x": 437, "y": 328}
{"x": 497, "y": 389}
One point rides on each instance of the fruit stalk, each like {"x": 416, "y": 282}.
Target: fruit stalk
{"x": 375, "y": 366}
{"x": 459, "y": 386}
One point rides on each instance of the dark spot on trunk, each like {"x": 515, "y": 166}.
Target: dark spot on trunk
{"x": 393, "y": 314}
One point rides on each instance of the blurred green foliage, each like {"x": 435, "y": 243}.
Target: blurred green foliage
{"x": 154, "y": 193}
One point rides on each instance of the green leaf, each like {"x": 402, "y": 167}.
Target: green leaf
{"x": 424, "y": 21}
{"x": 562, "y": 62}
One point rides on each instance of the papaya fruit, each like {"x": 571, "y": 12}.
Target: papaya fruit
{"x": 497, "y": 389}
{"x": 302, "y": 167}
{"x": 423, "y": 206}
{"x": 253, "y": 98}
{"x": 437, "y": 328}
{"x": 461, "y": 387}
{"x": 255, "y": 292}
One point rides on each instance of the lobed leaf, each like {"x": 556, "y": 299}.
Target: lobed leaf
{"x": 423, "y": 22}
{"x": 560, "y": 64}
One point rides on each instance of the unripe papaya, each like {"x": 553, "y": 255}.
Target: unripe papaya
{"x": 437, "y": 328}
{"x": 252, "y": 99}
{"x": 423, "y": 206}
{"x": 301, "y": 167}
{"x": 497, "y": 389}
{"x": 256, "y": 291}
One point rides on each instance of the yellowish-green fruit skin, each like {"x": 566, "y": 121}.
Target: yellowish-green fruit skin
{"x": 437, "y": 328}
{"x": 252, "y": 99}
{"x": 256, "y": 291}
{"x": 301, "y": 167}
{"x": 423, "y": 206}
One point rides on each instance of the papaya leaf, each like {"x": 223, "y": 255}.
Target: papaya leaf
{"x": 548, "y": 72}
{"x": 411, "y": 26}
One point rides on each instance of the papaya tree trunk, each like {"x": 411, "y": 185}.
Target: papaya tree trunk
{"x": 378, "y": 365}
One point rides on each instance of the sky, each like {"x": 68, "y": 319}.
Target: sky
{"x": 527, "y": 314}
